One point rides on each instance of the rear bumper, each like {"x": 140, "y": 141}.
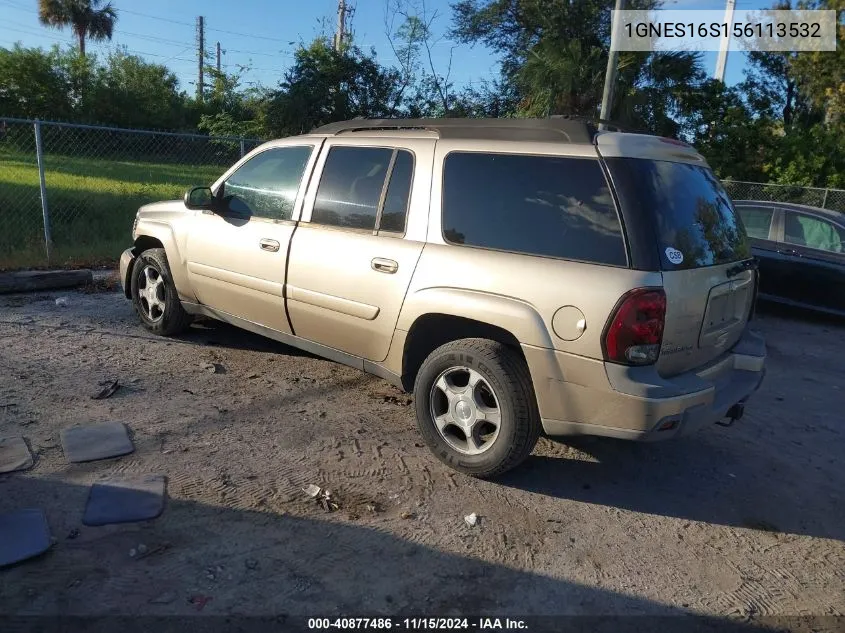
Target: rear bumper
{"x": 127, "y": 260}
{"x": 636, "y": 403}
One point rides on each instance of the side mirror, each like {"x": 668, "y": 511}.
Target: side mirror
{"x": 199, "y": 198}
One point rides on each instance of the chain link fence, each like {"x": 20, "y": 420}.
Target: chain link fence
{"x": 68, "y": 198}
{"x": 811, "y": 196}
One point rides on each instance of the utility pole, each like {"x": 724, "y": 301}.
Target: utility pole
{"x": 722, "y": 59}
{"x": 612, "y": 64}
{"x": 201, "y": 55}
{"x": 341, "y": 24}
{"x": 218, "y": 57}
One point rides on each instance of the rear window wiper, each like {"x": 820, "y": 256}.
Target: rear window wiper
{"x": 748, "y": 264}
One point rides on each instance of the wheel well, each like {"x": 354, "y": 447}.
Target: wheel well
{"x": 145, "y": 242}
{"x": 430, "y": 331}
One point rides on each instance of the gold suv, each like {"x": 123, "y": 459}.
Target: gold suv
{"x": 519, "y": 276}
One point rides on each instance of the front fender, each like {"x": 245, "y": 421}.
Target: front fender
{"x": 515, "y": 316}
{"x": 174, "y": 246}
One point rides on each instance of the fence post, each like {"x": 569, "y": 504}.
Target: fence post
{"x": 39, "y": 153}
{"x": 824, "y": 200}
{"x": 242, "y": 148}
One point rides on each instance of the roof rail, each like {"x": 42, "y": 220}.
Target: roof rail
{"x": 566, "y": 129}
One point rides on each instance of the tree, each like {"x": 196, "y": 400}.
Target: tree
{"x": 34, "y": 84}
{"x": 554, "y": 55}
{"x": 822, "y": 74}
{"x": 128, "y": 91}
{"x": 326, "y": 85}
{"x": 412, "y": 43}
{"x": 87, "y": 18}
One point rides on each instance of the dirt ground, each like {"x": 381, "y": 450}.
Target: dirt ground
{"x": 742, "y": 521}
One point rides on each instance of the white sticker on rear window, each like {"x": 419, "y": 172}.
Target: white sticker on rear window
{"x": 674, "y": 255}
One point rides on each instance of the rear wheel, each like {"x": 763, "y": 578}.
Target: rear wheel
{"x": 476, "y": 407}
{"x": 154, "y": 294}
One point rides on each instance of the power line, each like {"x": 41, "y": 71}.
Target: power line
{"x": 249, "y": 35}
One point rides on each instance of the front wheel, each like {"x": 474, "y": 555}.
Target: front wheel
{"x": 476, "y": 407}
{"x": 154, "y": 294}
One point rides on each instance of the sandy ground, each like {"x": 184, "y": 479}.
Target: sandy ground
{"x": 745, "y": 521}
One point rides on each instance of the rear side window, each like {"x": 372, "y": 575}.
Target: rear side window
{"x": 696, "y": 224}
{"x": 538, "y": 205}
{"x": 351, "y": 186}
{"x": 398, "y": 192}
{"x": 757, "y": 221}
{"x": 808, "y": 230}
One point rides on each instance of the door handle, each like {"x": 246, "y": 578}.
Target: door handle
{"x": 269, "y": 245}
{"x": 788, "y": 251}
{"x": 382, "y": 265}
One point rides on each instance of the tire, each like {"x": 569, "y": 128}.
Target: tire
{"x": 498, "y": 371}
{"x": 162, "y": 314}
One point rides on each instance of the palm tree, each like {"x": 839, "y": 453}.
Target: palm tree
{"x": 87, "y": 18}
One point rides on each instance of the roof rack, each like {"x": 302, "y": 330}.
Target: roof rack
{"x": 565, "y": 129}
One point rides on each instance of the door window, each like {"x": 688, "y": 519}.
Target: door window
{"x": 266, "y": 185}
{"x": 808, "y": 230}
{"x": 351, "y": 186}
{"x": 757, "y": 221}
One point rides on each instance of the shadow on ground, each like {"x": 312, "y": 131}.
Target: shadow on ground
{"x": 244, "y": 563}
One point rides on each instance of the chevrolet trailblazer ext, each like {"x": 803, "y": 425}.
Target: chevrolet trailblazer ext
{"x": 520, "y": 276}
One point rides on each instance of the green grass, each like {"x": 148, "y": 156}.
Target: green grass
{"x": 92, "y": 204}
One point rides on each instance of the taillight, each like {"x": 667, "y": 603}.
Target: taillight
{"x": 635, "y": 331}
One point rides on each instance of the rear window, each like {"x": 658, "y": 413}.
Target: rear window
{"x": 695, "y": 221}
{"x": 538, "y": 205}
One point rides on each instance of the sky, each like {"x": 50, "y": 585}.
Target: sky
{"x": 262, "y": 34}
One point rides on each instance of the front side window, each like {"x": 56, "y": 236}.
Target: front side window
{"x": 757, "y": 221}
{"x": 539, "y": 205}
{"x": 808, "y": 230}
{"x": 266, "y": 185}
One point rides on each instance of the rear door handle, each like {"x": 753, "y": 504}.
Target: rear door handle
{"x": 269, "y": 245}
{"x": 788, "y": 251}
{"x": 382, "y": 265}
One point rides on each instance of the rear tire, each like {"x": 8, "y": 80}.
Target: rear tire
{"x": 154, "y": 295}
{"x": 476, "y": 407}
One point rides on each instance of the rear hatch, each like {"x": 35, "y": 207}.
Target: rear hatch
{"x": 697, "y": 240}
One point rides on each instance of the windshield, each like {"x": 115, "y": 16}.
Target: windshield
{"x": 695, "y": 221}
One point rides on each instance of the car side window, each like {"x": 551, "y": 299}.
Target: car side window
{"x": 808, "y": 230}
{"x": 266, "y": 185}
{"x": 540, "y": 205}
{"x": 757, "y": 221}
{"x": 350, "y": 191}
{"x": 395, "y": 209}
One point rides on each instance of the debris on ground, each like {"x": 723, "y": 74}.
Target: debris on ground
{"x": 251, "y": 563}
{"x": 312, "y": 490}
{"x": 199, "y": 601}
{"x": 142, "y": 551}
{"x": 74, "y": 533}
{"x": 323, "y": 497}
{"x": 107, "y": 283}
{"x": 108, "y": 391}
{"x": 471, "y": 519}
{"x": 209, "y": 367}
{"x": 62, "y": 302}
{"x": 407, "y": 515}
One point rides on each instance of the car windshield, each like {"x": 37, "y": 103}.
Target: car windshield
{"x": 695, "y": 221}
